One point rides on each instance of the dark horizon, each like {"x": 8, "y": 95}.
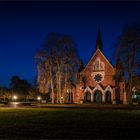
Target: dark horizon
{"x": 24, "y": 27}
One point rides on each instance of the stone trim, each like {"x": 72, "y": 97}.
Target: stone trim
{"x": 93, "y": 57}
{"x": 103, "y": 91}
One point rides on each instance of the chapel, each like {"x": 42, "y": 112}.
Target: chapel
{"x": 96, "y": 81}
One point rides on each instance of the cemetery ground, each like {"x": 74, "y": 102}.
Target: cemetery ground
{"x": 69, "y": 123}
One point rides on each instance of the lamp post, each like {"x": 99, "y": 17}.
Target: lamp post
{"x": 14, "y": 97}
{"x": 39, "y": 98}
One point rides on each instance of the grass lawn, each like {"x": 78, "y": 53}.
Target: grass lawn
{"x": 37, "y": 123}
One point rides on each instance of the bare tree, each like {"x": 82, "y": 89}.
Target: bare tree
{"x": 67, "y": 61}
{"x": 59, "y": 56}
{"x": 128, "y": 51}
{"x": 45, "y": 72}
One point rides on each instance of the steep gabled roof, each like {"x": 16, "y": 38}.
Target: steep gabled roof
{"x": 98, "y": 50}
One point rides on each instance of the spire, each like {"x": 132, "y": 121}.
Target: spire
{"x": 99, "y": 44}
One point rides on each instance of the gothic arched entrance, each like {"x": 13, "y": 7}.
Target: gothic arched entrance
{"x": 98, "y": 96}
{"x": 108, "y": 97}
{"x": 87, "y": 97}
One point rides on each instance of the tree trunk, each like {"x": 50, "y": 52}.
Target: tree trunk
{"x": 52, "y": 85}
{"x": 130, "y": 88}
{"x": 58, "y": 82}
{"x": 129, "y": 76}
{"x": 60, "y": 95}
{"x": 66, "y": 80}
{"x": 57, "y": 86}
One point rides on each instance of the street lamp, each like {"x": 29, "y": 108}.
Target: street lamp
{"x": 15, "y": 97}
{"x": 39, "y": 98}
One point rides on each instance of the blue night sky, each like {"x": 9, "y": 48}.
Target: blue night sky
{"x": 25, "y": 25}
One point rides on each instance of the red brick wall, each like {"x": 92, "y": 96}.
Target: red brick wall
{"x": 109, "y": 71}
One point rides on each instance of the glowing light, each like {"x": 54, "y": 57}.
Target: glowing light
{"x": 15, "y": 97}
{"x": 39, "y": 98}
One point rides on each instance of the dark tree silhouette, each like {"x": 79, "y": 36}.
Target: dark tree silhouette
{"x": 5, "y": 94}
{"x": 19, "y": 86}
{"x": 127, "y": 49}
{"x": 119, "y": 77}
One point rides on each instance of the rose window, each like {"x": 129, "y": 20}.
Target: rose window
{"x": 98, "y": 77}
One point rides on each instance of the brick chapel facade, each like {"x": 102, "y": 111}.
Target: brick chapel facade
{"x": 97, "y": 83}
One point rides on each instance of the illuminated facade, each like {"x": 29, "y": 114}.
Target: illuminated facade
{"x": 97, "y": 83}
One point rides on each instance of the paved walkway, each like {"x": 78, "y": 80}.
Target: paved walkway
{"x": 91, "y": 106}
{"x": 75, "y": 106}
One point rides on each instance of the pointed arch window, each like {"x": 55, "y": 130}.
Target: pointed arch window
{"x": 98, "y": 65}
{"x": 102, "y": 66}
